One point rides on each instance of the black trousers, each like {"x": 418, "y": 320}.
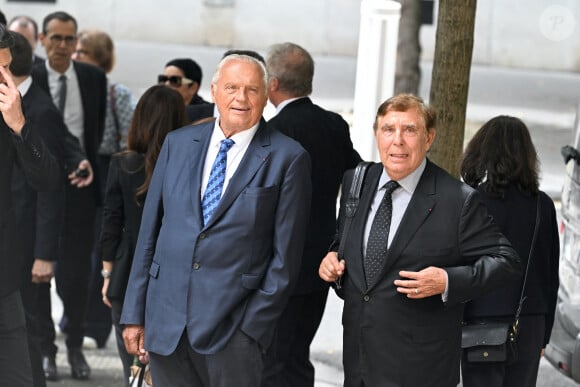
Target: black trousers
{"x": 287, "y": 361}
{"x": 15, "y": 367}
{"x": 238, "y": 364}
{"x": 30, "y": 300}
{"x": 522, "y": 373}
{"x": 72, "y": 269}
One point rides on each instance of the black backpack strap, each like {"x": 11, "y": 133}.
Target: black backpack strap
{"x": 351, "y": 207}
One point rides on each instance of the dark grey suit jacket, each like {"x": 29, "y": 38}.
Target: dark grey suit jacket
{"x": 41, "y": 171}
{"x": 406, "y": 342}
{"x": 325, "y": 136}
{"x": 93, "y": 89}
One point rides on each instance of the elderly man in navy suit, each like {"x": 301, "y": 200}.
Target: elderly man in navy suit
{"x": 220, "y": 241}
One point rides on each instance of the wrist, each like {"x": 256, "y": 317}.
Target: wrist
{"x": 106, "y": 273}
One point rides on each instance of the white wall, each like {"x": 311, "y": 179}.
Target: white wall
{"x": 513, "y": 33}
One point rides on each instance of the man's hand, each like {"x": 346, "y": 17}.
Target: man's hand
{"x": 80, "y": 181}
{"x": 134, "y": 337}
{"x": 10, "y": 105}
{"x": 422, "y": 284}
{"x": 331, "y": 268}
{"x": 42, "y": 271}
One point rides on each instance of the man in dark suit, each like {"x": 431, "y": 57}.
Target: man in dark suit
{"x": 325, "y": 135}
{"x": 18, "y": 145}
{"x": 412, "y": 260}
{"x": 26, "y": 26}
{"x": 38, "y": 214}
{"x": 211, "y": 272}
{"x": 83, "y": 107}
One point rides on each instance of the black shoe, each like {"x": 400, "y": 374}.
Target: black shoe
{"x": 78, "y": 364}
{"x": 49, "y": 367}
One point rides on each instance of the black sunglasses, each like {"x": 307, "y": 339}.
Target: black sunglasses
{"x": 174, "y": 80}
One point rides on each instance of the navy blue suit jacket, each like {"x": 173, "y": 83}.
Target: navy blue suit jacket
{"x": 237, "y": 271}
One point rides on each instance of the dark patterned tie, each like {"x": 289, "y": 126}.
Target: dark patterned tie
{"x": 215, "y": 183}
{"x": 379, "y": 235}
{"x": 61, "y": 93}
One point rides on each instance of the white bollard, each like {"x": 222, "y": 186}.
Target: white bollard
{"x": 375, "y": 70}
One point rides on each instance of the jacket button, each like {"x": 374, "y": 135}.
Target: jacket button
{"x": 366, "y": 297}
{"x": 202, "y": 236}
{"x": 196, "y": 266}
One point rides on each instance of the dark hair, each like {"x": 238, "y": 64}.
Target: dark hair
{"x": 405, "y": 102}
{"x": 6, "y": 39}
{"x": 2, "y": 18}
{"x": 251, "y": 53}
{"x": 159, "y": 110}
{"x": 59, "y": 15}
{"x": 189, "y": 67}
{"x": 499, "y": 154}
{"x": 21, "y": 52}
{"x": 293, "y": 67}
{"x": 24, "y": 21}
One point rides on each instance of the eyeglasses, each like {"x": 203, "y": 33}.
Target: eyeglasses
{"x": 58, "y": 39}
{"x": 174, "y": 80}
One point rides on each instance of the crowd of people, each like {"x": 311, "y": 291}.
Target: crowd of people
{"x": 207, "y": 239}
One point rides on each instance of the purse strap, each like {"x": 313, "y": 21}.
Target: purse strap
{"x": 534, "y": 237}
{"x": 351, "y": 206}
{"x": 113, "y": 101}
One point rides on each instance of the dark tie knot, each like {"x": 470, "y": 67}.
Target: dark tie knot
{"x": 62, "y": 78}
{"x": 390, "y": 186}
{"x": 226, "y": 145}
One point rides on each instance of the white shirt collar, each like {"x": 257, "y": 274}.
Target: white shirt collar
{"x": 53, "y": 73}
{"x": 285, "y": 103}
{"x": 408, "y": 183}
{"x": 241, "y": 139}
{"x": 24, "y": 86}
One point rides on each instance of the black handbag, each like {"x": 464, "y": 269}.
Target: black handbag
{"x": 496, "y": 341}
{"x": 489, "y": 342}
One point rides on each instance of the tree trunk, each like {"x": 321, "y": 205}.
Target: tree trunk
{"x": 450, "y": 80}
{"x": 408, "y": 72}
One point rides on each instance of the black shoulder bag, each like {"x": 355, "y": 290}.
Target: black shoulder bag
{"x": 487, "y": 342}
{"x": 351, "y": 206}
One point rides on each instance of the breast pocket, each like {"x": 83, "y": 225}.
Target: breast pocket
{"x": 257, "y": 205}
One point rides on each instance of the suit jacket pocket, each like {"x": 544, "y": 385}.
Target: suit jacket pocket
{"x": 154, "y": 269}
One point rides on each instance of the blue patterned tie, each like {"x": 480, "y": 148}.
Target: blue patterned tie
{"x": 215, "y": 184}
{"x": 379, "y": 235}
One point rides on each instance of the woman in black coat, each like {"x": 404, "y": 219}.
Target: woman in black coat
{"x": 501, "y": 162}
{"x": 159, "y": 111}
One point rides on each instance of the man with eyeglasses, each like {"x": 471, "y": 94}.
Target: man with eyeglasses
{"x": 79, "y": 91}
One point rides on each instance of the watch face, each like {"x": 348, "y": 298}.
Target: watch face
{"x": 105, "y": 273}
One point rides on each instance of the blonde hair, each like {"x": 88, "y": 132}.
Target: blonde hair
{"x": 99, "y": 47}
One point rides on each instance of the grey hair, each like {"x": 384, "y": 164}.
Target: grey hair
{"x": 292, "y": 66}
{"x": 242, "y": 58}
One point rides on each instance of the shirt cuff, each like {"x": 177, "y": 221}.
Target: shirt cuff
{"x": 445, "y": 294}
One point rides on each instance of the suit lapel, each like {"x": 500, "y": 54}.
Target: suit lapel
{"x": 197, "y": 155}
{"x": 257, "y": 153}
{"x": 419, "y": 208}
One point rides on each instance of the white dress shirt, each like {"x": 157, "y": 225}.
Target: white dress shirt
{"x": 235, "y": 154}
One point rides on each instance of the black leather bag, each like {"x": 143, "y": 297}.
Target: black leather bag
{"x": 493, "y": 341}
{"x": 488, "y": 342}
